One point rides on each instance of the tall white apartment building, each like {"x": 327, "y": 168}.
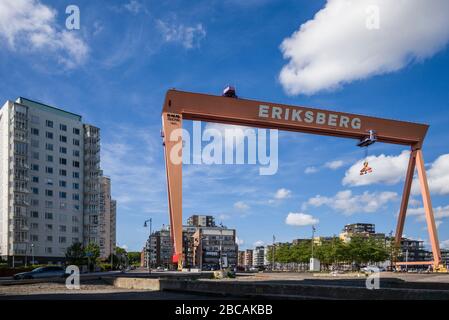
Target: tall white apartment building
{"x": 107, "y": 219}
{"x": 49, "y": 182}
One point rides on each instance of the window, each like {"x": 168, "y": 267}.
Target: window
{"x": 34, "y": 225}
{"x": 34, "y": 214}
{"x": 49, "y": 182}
{"x": 75, "y": 196}
{"x": 49, "y": 193}
{"x": 48, "y": 204}
{"x": 62, "y": 183}
{"x": 62, "y": 194}
{"x": 49, "y": 227}
{"x": 49, "y": 158}
{"x": 48, "y": 250}
{"x": 62, "y": 240}
{"x": 62, "y": 172}
{"x": 75, "y": 229}
{"x": 62, "y": 228}
{"x": 76, "y": 186}
{"x": 35, "y": 190}
{"x": 63, "y": 138}
{"x": 63, "y": 150}
{"x": 76, "y": 175}
{"x": 35, "y": 155}
{"x": 49, "y": 146}
{"x": 76, "y": 207}
{"x": 76, "y": 142}
{"x": 62, "y": 205}
{"x": 34, "y": 237}
{"x": 35, "y": 179}
{"x": 49, "y": 170}
{"x": 49, "y": 135}
{"x": 74, "y": 219}
{"x": 63, "y": 161}
{"x": 76, "y": 164}
{"x": 48, "y": 215}
{"x": 49, "y": 123}
{"x": 34, "y": 143}
{"x": 35, "y": 167}
{"x": 76, "y": 131}
{"x": 76, "y": 153}
{"x": 50, "y": 238}
{"x": 34, "y": 202}
{"x": 75, "y": 240}
{"x": 63, "y": 127}
{"x": 35, "y": 131}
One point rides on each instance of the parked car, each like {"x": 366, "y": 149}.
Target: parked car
{"x": 372, "y": 269}
{"x": 42, "y": 272}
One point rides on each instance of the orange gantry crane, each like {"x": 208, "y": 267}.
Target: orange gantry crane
{"x": 228, "y": 109}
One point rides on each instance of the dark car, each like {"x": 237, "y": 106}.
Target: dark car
{"x": 42, "y": 272}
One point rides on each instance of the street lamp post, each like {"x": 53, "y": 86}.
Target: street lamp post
{"x": 272, "y": 254}
{"x": 32, "y": 253}
{"x": 221, "y": 243}
{"x": 313, "y": 237}
{"x": 406, "y": 260}
{"x": 149, "y": 242}
{"x": 26, "y": 255}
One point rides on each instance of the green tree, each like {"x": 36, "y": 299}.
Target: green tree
{"x": 134, "y": 258}
{"x": 92, "y": 252}
{"x": 75, "y": 254}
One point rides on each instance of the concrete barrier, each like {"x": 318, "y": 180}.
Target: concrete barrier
{"x": 300, "y": 291}
{"x": 134, "y": 283}
{"x": 276, "y": 290}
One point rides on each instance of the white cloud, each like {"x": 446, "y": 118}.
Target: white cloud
{"x": 336, "y": 47}
{"x": 258, "y": 243}
{"x": 310, "y": 170}
{"x": 437, "y": 176}
{"x": 445, "y": 244}
{"x": 334, "y": 165}
{"x": 386, "y": 169}
{"x": 240, "y": 205}
{"x": 188, "y": 36}
{"x": 133, "y": 6}
{"x": 347, "y": 203}
{"x": 29, "y": 25}
{"x": 239, "y": 241}
{"x": 300, "y": 219}
{"x": 223, "y": 217}
{"x": 282, "y": 194}
{"x": 439, "y": 213}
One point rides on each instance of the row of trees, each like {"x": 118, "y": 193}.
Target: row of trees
{"x": 89, "y": 256}
{"x": 358, "y": 251}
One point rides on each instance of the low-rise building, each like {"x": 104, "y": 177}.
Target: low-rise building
{"x": 214, "y": 248}
{"x": 259, "y": 256}
{"x": 248, "y": 258}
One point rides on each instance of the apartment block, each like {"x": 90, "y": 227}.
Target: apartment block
{"x": 107, "y": 219}
{"x": 49, "y": 182}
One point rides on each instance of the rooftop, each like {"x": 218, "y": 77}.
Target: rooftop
{"x": 34, "y": 104}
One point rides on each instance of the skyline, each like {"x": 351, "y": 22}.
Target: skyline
{"x": 120, "y": 86}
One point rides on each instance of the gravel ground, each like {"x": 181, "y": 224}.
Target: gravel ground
{"x": 57, "y": 288}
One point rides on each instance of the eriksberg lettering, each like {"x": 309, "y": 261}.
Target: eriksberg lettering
{"x": 309, "y": 116}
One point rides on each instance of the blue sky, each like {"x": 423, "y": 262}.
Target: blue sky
{"x": 116, "y": 68}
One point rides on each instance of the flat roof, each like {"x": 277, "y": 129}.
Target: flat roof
{"x": 46, "y": 107}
